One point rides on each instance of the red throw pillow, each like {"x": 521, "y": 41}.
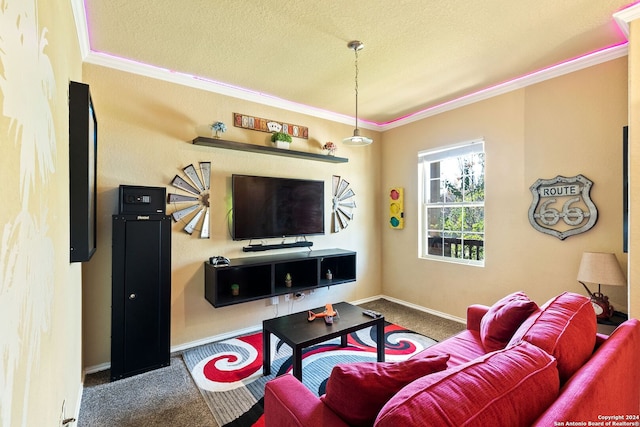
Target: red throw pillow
{"x": 565, "y": 328}
{"x": 357, "y": 391}
{"x": 509, "y": 387}
{"x": 503, "y": 319}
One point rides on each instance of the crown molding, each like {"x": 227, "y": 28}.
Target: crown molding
{"x": 151, "y": 71}
{"x": 110, "y": 61}
{"x": 82, "y": 29}
{"x": 624, "y": 17}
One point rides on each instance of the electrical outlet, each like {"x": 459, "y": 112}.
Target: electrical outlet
{"x": 287, "y": 297}
{"x": 275, "y": 300}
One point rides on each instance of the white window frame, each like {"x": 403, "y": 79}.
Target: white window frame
{"x": 426, "y": 185}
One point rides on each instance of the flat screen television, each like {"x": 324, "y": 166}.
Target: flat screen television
{"x": 83, "y": 154}
{"x": 265, "y": 207}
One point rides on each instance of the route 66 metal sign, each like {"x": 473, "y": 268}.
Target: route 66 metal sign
{"x": 562, "y": 206}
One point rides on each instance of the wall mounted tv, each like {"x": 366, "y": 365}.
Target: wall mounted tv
{"x": 83, "y": 163}
{"x": 265, "y": 207}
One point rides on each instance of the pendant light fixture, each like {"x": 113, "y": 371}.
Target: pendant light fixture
{"x": 356, "y": 139}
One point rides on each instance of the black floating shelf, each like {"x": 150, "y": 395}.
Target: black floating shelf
{"x": 240, "y": 146}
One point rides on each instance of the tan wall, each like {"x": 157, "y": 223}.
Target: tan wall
{"x": 565, "y": 126}
{"x": 40, "y": 291}
{"x": 146, "y": 127}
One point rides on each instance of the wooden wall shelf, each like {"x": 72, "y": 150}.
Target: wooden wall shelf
{"x": 240, "y": 146}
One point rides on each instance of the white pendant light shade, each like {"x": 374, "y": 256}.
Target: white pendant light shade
{"x": 356, "y": 139}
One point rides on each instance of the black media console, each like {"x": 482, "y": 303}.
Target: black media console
{"x": 261, "y": 277}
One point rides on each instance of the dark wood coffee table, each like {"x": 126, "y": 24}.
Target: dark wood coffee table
{"x": 296, "y": 331}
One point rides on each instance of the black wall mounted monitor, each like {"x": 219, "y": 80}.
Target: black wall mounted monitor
{"x": 83, "y": 164}
{"x": 265, "y": 207}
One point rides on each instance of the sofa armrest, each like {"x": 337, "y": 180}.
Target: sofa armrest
{"x": 607, "y": 384}
{"x": 475, "y": 313}
{"x": 288, "y": 403}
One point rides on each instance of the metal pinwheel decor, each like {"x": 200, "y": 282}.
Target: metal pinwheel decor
{"x": 197, "y": 185}
{"x": 343, "y": 204}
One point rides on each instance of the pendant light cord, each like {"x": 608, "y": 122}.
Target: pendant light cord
{"x": 356, "y": 139}
{"x": 356, "y": 51}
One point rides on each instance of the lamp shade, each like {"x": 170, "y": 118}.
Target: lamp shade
{"x": 601, "y": 268}
{"x": 357, "y": 139}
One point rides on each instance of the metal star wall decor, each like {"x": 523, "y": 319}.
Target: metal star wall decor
{"x": 343, "y": 204}
{"x": 196, "y": 212}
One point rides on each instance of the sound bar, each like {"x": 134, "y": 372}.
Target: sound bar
{"x": 260, "y": 248}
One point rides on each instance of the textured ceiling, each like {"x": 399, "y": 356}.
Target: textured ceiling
{"x": 418, "y": 53}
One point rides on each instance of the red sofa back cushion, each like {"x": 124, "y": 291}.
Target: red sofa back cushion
{"x": 509, "y": 387}
{"x": 566, "y": 328}
{"x": 503, "y": 319}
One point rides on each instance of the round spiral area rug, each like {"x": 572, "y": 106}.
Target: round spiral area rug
{"x": 229, "y": 373}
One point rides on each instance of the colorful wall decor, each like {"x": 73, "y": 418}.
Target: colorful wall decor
{"x": 396, "y": 208}
{"x": 267, "y": 125}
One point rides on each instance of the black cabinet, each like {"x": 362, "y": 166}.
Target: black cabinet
{"x": 141, "y": 294}
{"x": 262, "y": 277}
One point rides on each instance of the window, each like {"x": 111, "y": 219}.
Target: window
{"x": 451, "y": 191}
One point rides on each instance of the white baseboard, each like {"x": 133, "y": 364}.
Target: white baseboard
{"x": 96, "y": 368}
{"x": 214, "y": 338}
{"x": 258, "y": 327}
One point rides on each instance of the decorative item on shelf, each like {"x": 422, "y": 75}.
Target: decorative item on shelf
{"x": 603, "y": 269}
{"x": 287, "y": 280}
{"x": 330, "y": 147}
{"x": 267, "y": 125}
{"x": 281, "y": 140}
{"x": 217, "y": 128}
{"x": 342, "y": 204}
{"x": 356, "y": 139}
{"x": 329, "y": 275}
{"x": 235, "y": 289}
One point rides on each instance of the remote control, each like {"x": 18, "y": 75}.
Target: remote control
{"x": 371, "y": 313}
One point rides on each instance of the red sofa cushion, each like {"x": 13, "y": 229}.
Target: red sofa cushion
{"x": 503, "y": 319}
{"x": 566, "y": 328}
{"x": 357, "y": 391}
{"x": 462, "y": 348}
{"x": 508, "y": 387}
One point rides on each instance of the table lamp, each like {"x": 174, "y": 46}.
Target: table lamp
{"x": 603, "y": 269}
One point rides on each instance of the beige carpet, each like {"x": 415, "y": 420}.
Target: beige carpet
{"x": 427, "y": 324}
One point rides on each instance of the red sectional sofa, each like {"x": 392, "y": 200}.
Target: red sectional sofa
{"x": 516, "y": 364}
